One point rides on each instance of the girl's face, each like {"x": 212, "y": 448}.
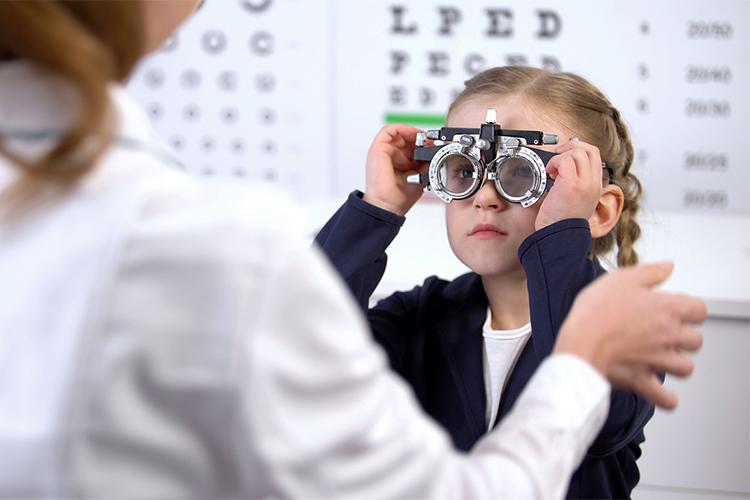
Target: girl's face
{"x": 485, "y": 231}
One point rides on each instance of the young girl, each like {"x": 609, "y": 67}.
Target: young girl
{"x": 468, "y": 347}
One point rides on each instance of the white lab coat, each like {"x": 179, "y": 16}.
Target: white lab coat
{"x": 165, "y": 338}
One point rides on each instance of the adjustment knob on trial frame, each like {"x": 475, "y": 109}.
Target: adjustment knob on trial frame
{"x": 466, "y": 140}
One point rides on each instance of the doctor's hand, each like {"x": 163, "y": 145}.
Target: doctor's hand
{"x": 577, "y": 172}
{"x": 389, "y": 163}
{"x": 630, "y": 333}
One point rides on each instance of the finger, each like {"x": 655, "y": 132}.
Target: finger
{"x": 650, "y": 387}
{"x": 690, "y": 309}
{"x": 406, "y": 131}
{"x": 689, "y": 339}
{"x": 396, "y": 132}
{"x": 562, "y": 165}
{"x": 582, "y": 163}
{"x": 593, "y": 153}
{"x": 400, "y": 158}
{"x": 595, "y": 166}
{"x": 563, "y": 162}
{"x": 567, "y": 146}
{"x": 570, "y": 157}
{"x": 590, "y": 165}
{"x": 575, "y": 143}
{"x": 648, "y": 275}
{"x": 551, "y": 168}
{"x": 682, "y": 310}
{"x": 399, "y": 141}
{"x": 674, "y": 363}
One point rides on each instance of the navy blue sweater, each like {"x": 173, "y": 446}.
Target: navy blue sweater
{"x": 433, "y": 335}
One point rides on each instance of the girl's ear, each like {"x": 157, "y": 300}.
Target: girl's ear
{"x": 607, "y": 211}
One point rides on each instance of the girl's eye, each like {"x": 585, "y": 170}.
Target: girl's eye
{"x": 522, "y": 172}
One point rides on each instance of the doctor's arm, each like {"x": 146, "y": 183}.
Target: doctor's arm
{"x": 330, "y": 420}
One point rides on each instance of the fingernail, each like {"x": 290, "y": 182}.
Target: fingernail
{"x": 573, "y": 139}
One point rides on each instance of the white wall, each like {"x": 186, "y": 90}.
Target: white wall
{"x": 702, "y": 450}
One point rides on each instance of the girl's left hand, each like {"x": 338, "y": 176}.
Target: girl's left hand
{"x": 577, "y": 172}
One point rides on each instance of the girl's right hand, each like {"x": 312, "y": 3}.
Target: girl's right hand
{"x": 389, "y": 162}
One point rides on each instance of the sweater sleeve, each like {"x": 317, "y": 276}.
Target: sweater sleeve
{"x": 557, "y": 268}
{"x": 355, "y": 239}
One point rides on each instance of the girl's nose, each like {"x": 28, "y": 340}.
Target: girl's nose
{"x": 488, "y": 198}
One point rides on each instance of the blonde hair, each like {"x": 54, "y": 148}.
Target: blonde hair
{"x": 89, "y": 44}
{"x": 580, "y": 106}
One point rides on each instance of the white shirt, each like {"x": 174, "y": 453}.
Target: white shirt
{"x": 501, "y": 351}
{"x": 163, "y": 338}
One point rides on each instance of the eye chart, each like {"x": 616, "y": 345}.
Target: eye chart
{"x": 241, "y": 91}
{"x": 292, "y": 92}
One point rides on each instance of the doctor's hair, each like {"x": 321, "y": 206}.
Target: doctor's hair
{"x": 579, "y": 106}
{"x": 88, "y": 44}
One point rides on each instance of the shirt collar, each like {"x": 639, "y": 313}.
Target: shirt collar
{"x": 36, "y": 105}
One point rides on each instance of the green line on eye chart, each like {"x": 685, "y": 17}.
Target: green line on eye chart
{"x": 415, "y": 119}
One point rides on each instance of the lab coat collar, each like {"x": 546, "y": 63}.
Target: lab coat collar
{"x": 37, "y": 105}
